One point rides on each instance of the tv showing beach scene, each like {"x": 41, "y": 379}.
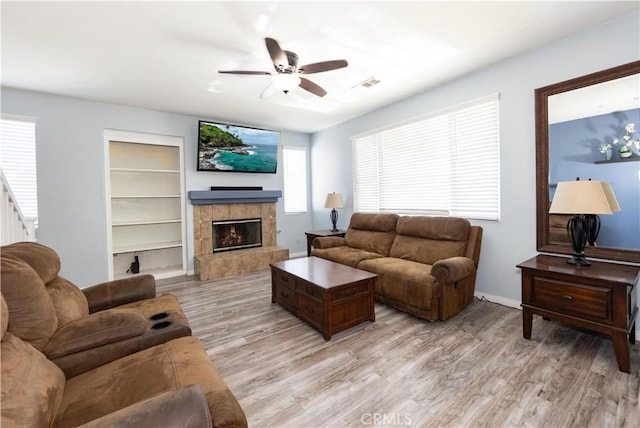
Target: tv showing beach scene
{"x": 234, "y": 148}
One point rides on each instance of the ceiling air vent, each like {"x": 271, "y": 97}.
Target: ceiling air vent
{"x": 371, "y": 81}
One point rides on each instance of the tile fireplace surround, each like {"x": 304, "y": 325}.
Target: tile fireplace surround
{"x": 207, "y": 208}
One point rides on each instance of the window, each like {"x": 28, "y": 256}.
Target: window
{"x": 295, "y": 180}
{"x": 446, "y": 163}
{"x": 18, "y": 162}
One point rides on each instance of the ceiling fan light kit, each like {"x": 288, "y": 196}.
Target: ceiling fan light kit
{"x": 287, "y": 74}
{"x": 286, "y": 82}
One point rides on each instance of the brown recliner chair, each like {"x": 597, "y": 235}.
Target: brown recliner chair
{"x": 174, "y": 384}
{"x": 80, "y": 329}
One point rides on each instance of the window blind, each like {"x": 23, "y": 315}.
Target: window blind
{"x": 295, "y": 179}
{"x": 446, "y": 163}
{"x": 18, "y": 162}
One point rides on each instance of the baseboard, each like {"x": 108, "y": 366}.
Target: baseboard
{"x": 298, "y": 255}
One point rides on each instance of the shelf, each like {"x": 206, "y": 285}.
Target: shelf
{"x": 158, "y": 273}
{"x": 143, "y": 196}
{"x": 145, "y": 247}
{"x": 631, "y": 159}
{"x": 146, "y": 201}
{"x": 143, "y": 223}
{"x": 137, "y": 170}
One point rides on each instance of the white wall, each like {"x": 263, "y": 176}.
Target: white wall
{"x": 71, "y": 187}
{"x": 513, "y": 238}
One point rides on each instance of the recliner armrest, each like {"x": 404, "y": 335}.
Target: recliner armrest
{"x": 453, "y": 269}
{"x": 329, "y": 241}
{"x": 120, "y": 292}
{"x": 95, "y": 330}
{"x": 186, "y": 408}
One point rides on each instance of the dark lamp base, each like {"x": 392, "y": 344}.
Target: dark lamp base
{"x": 578, "y": 260}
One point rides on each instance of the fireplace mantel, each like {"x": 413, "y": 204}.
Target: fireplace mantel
{"x": 211, "y": 197}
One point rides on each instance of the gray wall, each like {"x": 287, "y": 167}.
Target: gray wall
{"x": 512, "y": 239}
{"x": 71, "y": 177}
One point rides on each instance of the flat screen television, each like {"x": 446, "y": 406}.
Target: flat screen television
{"x": 233, "y": 148}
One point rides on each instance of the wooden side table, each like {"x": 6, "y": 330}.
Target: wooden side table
{"x": 318, "y": 233}
{"x": 600, "y": 297}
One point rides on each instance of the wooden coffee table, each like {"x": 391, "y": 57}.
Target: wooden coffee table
{"x": 328, "y": 296}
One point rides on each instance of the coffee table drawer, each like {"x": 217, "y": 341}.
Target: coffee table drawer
{"x": 309, "y": 290}
{"x": 311, "y": 309}
{"x": 284, "y": 279}
{"x": 286, "y": 297}
{"x": 351, "y": 292}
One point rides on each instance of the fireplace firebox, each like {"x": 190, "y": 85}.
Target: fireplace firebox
{"x": 236, "y": 234}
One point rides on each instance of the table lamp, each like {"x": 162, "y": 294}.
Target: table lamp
{"x": 334, "y": 200}
{"x": 584, "y": 199}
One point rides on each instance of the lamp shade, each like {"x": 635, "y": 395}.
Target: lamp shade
{"x": 334, "y": 200}
{"x": 584, "y": 197}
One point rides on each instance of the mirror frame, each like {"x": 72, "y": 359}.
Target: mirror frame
{"x": 543, "y": 243}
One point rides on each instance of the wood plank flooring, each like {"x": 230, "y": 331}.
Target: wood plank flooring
{"x": 475, "y": 370}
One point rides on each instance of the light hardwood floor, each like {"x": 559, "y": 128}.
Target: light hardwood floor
{"x": 475, "y": 370}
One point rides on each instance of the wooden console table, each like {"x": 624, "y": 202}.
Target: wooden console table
{"x": 318, "y": 233}
{"x": 600, "y": 297}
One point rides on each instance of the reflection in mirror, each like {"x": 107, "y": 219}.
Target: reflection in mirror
{"x": 589, "y": 128}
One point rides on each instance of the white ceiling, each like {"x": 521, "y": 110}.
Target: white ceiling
{"x": 165, "y": 55}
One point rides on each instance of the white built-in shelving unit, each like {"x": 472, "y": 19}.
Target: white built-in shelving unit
{"x": 145, "y": 182}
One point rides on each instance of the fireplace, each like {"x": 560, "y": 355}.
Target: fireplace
{"x": 230, "y": 235}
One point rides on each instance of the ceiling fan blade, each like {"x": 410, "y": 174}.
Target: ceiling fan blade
{"x": 308, "y": 85}
{"x": 244, "y": 72}
{"x": 318, "y": 67}
{"x": 276, "y": 53}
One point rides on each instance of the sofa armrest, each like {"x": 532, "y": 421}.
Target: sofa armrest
{"x": 120, "y": 292}
{"x": 453, "y": 269}
{"x": 186, "y": 408}
{"x": 329, "y": 241}
{"x": 95, "y": 330}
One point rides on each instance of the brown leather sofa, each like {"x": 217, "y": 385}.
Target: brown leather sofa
{"x": 426, "y": 266}
{"x": 82, "y": 329}
{"x": 110, "y": 355}
{"x": 174, "y": 384}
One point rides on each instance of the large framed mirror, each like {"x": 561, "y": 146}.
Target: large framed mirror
{"x": 577, "y": 122}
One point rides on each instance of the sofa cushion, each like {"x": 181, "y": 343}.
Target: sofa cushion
{"x": 42, "y": 259}
{"x": 95, "y": 330}
{"x": 69, "y": 301}
{"x": 429, "y": 239}
{"x": 345, "y": 255}
{"x": 120, "y": 383}
{"x": 32, "y": 386}
{"x": 33, "y": 316}
{"x": 371, "y": 232}
{"x": 403, "y": 281}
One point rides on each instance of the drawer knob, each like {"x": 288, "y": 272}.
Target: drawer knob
{"x": 284, "y": 294}
{"x": 567, "y": 297}
{"x": 284, "y": 278}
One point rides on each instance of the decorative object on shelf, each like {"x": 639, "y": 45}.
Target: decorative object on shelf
{"x": 334, "y": 200}
{"x": 135, "y": 266}
{"x": 629, "y": 146}
{"x": 606, "y": 150}
{"x": 584, "y": 199}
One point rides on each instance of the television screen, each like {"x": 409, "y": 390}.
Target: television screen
{"x": 233, "y": 148}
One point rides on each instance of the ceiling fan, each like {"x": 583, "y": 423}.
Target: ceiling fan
{"x": 287, "y": 70}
